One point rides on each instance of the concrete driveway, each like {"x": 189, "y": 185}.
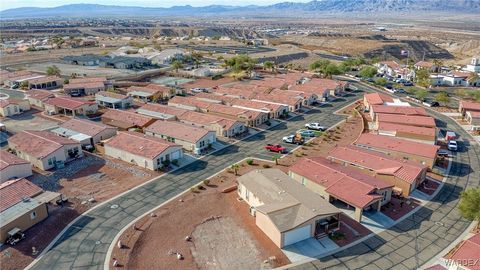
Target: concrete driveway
{"x": 309, "y": 248}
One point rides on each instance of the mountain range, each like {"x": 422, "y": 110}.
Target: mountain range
{"x": 316, "y": 6}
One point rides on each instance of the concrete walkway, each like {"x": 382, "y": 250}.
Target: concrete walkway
{"x": 309, "y": 248}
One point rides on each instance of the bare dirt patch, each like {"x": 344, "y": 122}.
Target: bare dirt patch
{"x": 214, "y": 241}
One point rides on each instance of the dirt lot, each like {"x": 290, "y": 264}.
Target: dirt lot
{"x": 80, "y": 180}
{"x": 186, "y": 217}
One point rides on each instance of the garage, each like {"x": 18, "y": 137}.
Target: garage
{"x": 296, "y": 235}
{"x": 176, "y": 155}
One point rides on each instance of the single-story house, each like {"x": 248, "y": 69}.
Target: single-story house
{"x": 22, "y": 205}
{"x": 431, "y": 67}
{"x": 126, "y": 120}
{"x": 44, "y": 149}
{"x": 405, "y": 175}
{"x": 397, "y": 110}
{"x": 113, "y": 100}
{"x": 465, "y": 106}
{"x": 38, "y": 97}
{"x": 375, "y": 99}
{"x": 409, "y": 120}
{"x": 12, "y": 167}
{"x": 388, "y": 68}
{"x": 162, "y": 112}
{"x": 189, "y": 103}
{"x": 425, "y": 154}
{"x": 193, "y": 139}
{"x": 167, "y": 56}
{"x": 464, "y": 256}
{"x": 151, "y": 92}
{"x": 70, "y": 106}
{"x": 412, "y": 133}
{"x": 272, "y": 110}
{"x": 284, "y": 210}
{"x": 251, "y": 118}
{"x": 214, "y": 98}
{"x": 292, "y": 100}
{"x": 142, "y": 150}
{"x": 223, "y": 127}
{"x": 45, "y": 83}
{"x": 87, "y": 85}
{"x": 473, "y": 119}
{"x": 85, "y": 131}
{"x": 336, "y": 182}
{"x": 10, "y": 107}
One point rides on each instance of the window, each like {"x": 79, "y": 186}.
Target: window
{"x": 50, "y": 161}
{"x": 33, "y": 215}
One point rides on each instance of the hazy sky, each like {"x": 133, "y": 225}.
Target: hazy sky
{"x": 7, "y": 4}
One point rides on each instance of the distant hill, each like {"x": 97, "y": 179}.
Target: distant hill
{"x": 322, "y": 6}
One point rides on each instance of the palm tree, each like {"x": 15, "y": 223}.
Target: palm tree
{"x": 275, "y": 158}
{"x": 472, "y": 78}
{"x": 235, "y": 168}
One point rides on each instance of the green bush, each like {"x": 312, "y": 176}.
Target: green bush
{"x": 250, "y": 161}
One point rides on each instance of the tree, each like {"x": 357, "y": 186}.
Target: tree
{"x": 381, "y": 81}
{"x": 176, "y": 65}
{"x": 422, "y": 77}
{"x": 319, "y": 65}
{"x": 275, "y": 158}
{"x": 470, "y": 204}
{"x": 268, "y": 65}
{"x": 442, "y": 98}
{"x": 235, "y": 168}
{"x": 24, "y": 85}
{"x": 472, "y": 78}
{"x": 53, "y": 70}
{"x": 421, "y": 94}
{"x": 368, "y": 72}
{"x": 330, "y": 70}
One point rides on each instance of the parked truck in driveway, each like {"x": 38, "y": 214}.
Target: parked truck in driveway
{"x": 275, "y": 148}
{"x": 315, "y": 126}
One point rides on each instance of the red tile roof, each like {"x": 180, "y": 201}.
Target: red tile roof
{"x": 470, "y": 105}
{"x": 178, "y": 131}
{"x": 5, "y": 102}
{"x": 207, "y": 119}
{"x": 344, "y": 183}
{"x": 468, "y": 250}
{"x": 40, "y": 94}
{"x": 391, "y": 64}
{"x": 281, "y": 97}
{"x": 403, "y": 110}
{"x": 84, "y": 126}
{"x": 130, "y": 118}
{"x": 38, "y": 143}
{"x": 140, "y": 144}
{"x": 258, "y": 105}
{"x": 14, "y": 191}
{"x": 207, "y": 83}
{"x": 423, "y": 131}
{"x": 238, "y": 91}
{"x": 270, "y": 82}
{"x": 234, "y": 111}
{"x": 189, "y": 101}
{"x": 214, "y": 97}
{"x": 377, "y": 98}
{"x": 419, "y": 121}
{"x": 159, "y": 108}
{"x": 381, "y": 164}
{"x": 68, "y": 102}
{"x": 391, "y": 143}
{"x": 8, "y": 159}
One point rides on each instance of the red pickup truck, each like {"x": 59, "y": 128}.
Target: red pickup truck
{"x": 275, "y": 148}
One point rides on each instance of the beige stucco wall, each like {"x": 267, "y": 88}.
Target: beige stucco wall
{"x": 15, "y": 171}
{"x": 151, "y": 164}
{"x": 24, "y": 222}
{"x": 266, "y": 225}
{"x": 105, "y": 134}
{"x": 190, "y": 146}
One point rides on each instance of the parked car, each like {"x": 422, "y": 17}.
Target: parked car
{"x": 452, "y": 146}
{"x": 16, "y": 235}
{"x": 431, "y": 103}
{"x": 315, "y": 126}
{"x": 275, "y": 148}
{"x": 443, "y": 153}
{"x": 400, "y": 91}
{"x": 306, "y": 133}
{"x": 389, "y": 86}
{"x": 407, "y": 83}
{"x": 450, "y": 136}
{"x": 295, "y": 139}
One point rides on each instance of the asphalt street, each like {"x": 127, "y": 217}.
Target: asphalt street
{"x": 417, "y": 239}
{"x": 85, "y": 244}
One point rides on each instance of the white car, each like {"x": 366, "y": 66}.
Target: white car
{"x": 452, "y": 146}
{"x": 288, "y": 139}
{"x": 315, "y": 126}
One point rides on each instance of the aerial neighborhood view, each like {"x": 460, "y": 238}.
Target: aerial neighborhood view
{"x": 231, "y": 135}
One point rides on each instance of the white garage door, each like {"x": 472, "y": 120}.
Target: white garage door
{"x": 297, "y": 235}
{"x": 175, "y": 155}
